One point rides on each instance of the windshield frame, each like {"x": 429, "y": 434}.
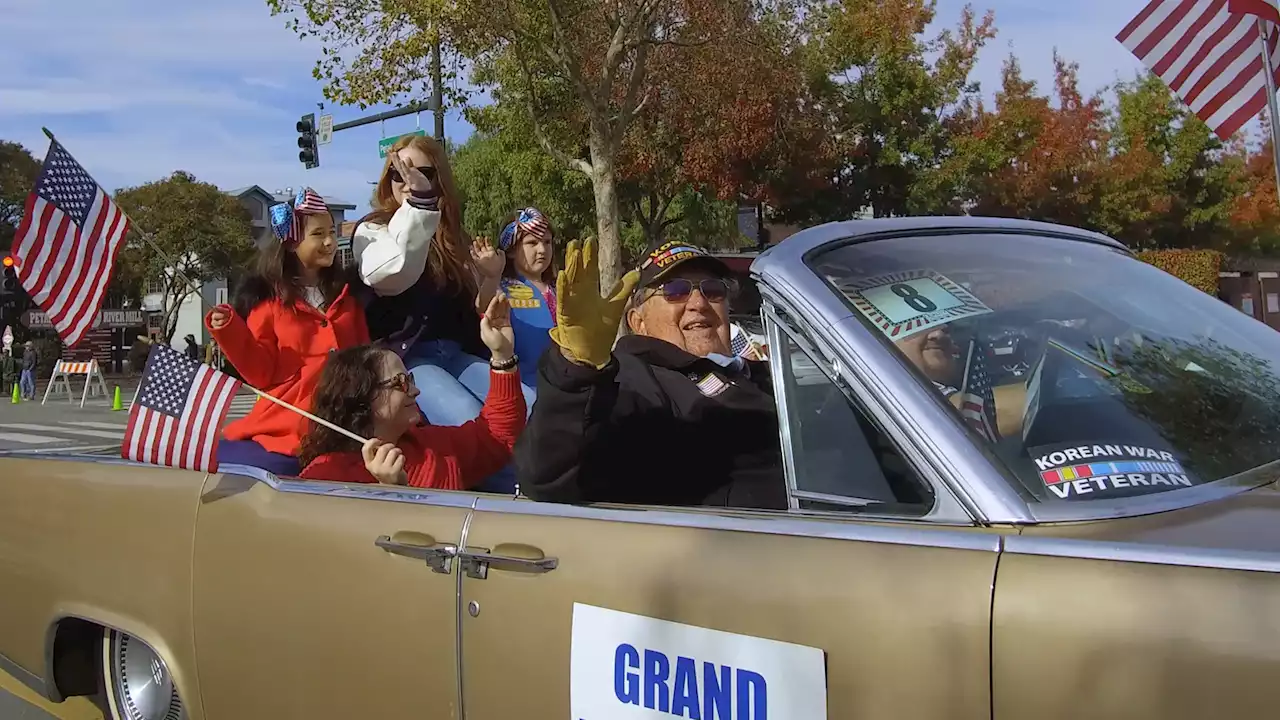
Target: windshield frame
{"x": 786, "y": 269}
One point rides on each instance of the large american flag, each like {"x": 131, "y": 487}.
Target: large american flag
{"x": 1209, "y": 53}
{"x": 977, "y": 401}
{"x": 179, "y": 411}
{"x": 67, "y": 244}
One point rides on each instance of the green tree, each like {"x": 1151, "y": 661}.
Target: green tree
{"x": 194, "y": 233}
{"x": 18, "y": 173}
{"x": 1169, "y": 182}
{"x": 891, "y": 99}
{"x": 497, "y": 174}
{"x": 581, "y": 71}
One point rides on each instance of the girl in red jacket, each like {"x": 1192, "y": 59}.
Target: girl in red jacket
{"x": 288, "y": 319}
{"x": 369, "y": 392}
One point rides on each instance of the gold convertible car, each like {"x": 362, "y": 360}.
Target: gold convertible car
{"x": 1030, "y": 477}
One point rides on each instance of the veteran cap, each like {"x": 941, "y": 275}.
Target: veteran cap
{"x": 663, "y": 257}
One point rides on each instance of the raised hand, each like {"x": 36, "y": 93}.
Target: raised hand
{"x": 496, "y": 330}
{"x": 418, "y": 183}
{"x": 488, "y": 261}
{"x": 586, "y": 322}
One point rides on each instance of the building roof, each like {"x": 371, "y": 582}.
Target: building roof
{"x": 329, "y": 200}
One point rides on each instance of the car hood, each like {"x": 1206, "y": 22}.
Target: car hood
{"x": 1247, "y": 521}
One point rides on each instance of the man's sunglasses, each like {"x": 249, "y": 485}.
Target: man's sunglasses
{"x": 679, "y": 290}
{"x": 426, "y": 170}
{"x": 402, "y": 382}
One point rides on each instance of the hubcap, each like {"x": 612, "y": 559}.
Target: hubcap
{"x": 144, "y": 689}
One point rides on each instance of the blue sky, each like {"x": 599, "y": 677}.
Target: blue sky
{"x": 139, "y": 88}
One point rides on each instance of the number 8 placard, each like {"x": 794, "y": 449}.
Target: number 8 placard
{"x": 904, "y": 303}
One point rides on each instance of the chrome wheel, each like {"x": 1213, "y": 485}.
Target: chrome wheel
{"x": 137, "y": 681}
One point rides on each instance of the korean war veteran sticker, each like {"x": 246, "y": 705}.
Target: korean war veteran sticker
{"x": 1083, "y": 472}
{"x": 904, "y": 303}
{"x": 631, "y": 667}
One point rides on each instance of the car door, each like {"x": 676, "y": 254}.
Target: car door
{"x": 324, "y": 600}
{"x": 609, "y": 612}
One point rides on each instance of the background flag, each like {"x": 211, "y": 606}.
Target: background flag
{"x": 1208, "y": 52}
{"x": 66, "y": 246}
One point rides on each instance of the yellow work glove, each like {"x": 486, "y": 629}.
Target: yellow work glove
{"x": 586, "y": 323}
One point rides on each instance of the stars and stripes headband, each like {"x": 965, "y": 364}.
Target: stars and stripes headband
{"x": 286, "y": 218}
{"x": 532, "y": 221}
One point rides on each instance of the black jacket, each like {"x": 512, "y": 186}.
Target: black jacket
{"x": 420, "y": 314}
{"x": 644, "y": 430}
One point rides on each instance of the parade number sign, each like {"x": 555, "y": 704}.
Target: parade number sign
{"x": 904, "y": 303}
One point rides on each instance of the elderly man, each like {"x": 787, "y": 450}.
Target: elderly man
{"x": 668, "y": 417}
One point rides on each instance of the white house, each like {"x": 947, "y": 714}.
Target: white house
{"x": 191, "y": 315}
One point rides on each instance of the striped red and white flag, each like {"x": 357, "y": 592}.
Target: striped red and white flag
{"x": 1268, "y": 10}
{"x": 178, "y": 415}
{"x": 1208, "y": 52}
{"x": 67, "y": 244}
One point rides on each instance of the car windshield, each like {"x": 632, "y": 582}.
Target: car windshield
{"x": 1092, "y": 375}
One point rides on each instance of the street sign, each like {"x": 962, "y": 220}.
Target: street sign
{"x": 385, "y": 143}
{"x": 324, "y": 134}
{"x": 110, "y": 318}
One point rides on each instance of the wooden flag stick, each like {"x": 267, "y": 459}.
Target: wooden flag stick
{"x": 307, "y": 415}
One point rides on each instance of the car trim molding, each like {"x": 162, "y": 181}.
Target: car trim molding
{"x": 1148, "y": 554}
{"x": 884, "y": 532}
{"x": 33, "y": 681}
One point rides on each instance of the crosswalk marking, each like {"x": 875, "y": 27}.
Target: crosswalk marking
{"x": 116, "y": 435}
{"x": 73, "y": 436}
{"x": 98, "y": 425}
{"x": 27, "y": 439}
{"x": 113, "y": 448}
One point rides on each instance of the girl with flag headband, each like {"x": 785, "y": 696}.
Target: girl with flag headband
{"x": 287, "y": 318}
{"x": 521, "y": 269}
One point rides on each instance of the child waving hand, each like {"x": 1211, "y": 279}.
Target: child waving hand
{"x": 289, "y": 317}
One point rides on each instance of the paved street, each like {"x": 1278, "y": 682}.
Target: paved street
{"x": 61, "y": 425}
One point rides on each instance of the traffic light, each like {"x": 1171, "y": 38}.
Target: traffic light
{"x": 9, "y": 284}
{"x": 11, "y": 295}
{"x": 308, "y": 151}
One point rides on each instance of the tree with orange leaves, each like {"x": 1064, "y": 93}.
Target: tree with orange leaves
{"x": 1030, "y": 157}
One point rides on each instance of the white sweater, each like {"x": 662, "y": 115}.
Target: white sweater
{"x": 392, "y": 257}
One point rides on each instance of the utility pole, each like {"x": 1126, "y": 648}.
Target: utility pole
{"x": 437, "y": 89}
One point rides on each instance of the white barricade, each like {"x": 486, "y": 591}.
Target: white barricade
{"x": 63, "y": 372}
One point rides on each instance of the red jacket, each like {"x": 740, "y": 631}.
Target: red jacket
{"x": 280, "y": 350}
{"x": 443, "y": 457}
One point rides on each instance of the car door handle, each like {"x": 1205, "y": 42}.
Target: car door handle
{"x": 437, "y": 556}
{"x": 476, "y": 562}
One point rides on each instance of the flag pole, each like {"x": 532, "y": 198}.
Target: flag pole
{"x": 1268, "y": 73}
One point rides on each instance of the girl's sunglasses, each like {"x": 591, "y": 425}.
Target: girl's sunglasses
{"x": 402, "y": 382}
{"x": 679, "y": 290}
{"x": 426, "y": 170}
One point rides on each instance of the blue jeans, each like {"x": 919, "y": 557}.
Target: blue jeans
{"x": 453, "y": 385}
{"x": 28, "y": 384}
{"x": 248, "y": 452}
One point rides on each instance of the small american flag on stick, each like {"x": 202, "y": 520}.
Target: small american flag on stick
{"x": 977, "y": 401}
{"x": 67, "y": 244}
{"x": 179, "y": 412}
